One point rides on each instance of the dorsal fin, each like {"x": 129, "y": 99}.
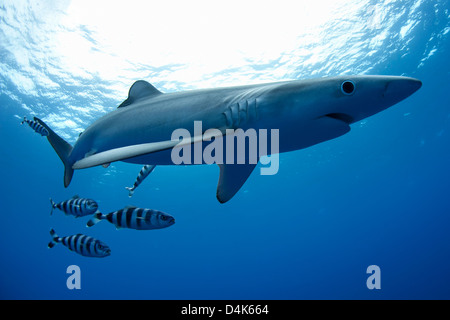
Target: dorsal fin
{"x": 140, "y": 89}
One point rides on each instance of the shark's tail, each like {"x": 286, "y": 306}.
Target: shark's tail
{"x": 62, "y": 148}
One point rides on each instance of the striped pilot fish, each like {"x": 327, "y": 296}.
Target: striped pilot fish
{"x": 145, "y": 171}
{"x": 135, "y": 218}
{"x": 36, "y": 127}
{"x": 81, "y": 244}
{"x": 76, "y": 206}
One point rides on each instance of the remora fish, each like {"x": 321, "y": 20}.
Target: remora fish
{"x": 76, "y": 206}
{"x": 135, "y": 218}
{"x": 145, "y": 171}
{"x": 81, "y": 244}
{"x": 36, "y": 127}
{"x": 306, "y": 112}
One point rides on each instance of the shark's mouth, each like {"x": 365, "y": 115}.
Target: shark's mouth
{"x": 341, "y": 117}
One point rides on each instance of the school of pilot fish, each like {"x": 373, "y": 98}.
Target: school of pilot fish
{"x": 129, "y": 217}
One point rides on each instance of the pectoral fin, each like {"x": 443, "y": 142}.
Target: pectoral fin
{"x": 123, "y": 153}
{"x": 132, "y": 151}
{"x": 232, "y": 178}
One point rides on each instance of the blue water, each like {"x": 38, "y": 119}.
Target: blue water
{"x": 377, "y": 196}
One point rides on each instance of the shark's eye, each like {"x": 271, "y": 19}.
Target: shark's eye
{"x": 348, "y": 87}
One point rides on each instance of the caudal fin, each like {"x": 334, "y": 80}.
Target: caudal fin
{"x": 55, "y": 239}
{"x": 131, "y": 191}
{"x": 95, "y": 219}
{"x": 62, "y": 148}
{"x": 53, "y": 205}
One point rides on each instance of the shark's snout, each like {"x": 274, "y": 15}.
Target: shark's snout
{"x": 401, "y": 88}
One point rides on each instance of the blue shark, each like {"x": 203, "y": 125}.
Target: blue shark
{"x": 306, "y": 112}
